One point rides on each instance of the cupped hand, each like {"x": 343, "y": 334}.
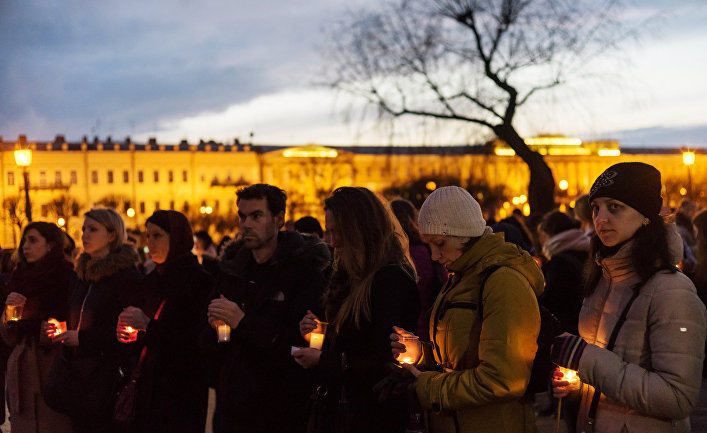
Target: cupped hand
{"x": 307, "y": 324}
{"x": 68, "y": 338}
{"x": 307, "y": 357}
{"x": 396, "y": 347}
{"x": 226, "y": 310}
{"x": 14, "y": 298}
{"x": 135, "y": 317}
{"x": 560, "y": 387}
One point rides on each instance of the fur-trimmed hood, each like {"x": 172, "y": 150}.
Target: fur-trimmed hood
{"x": 306, "y": 249}
{"x": 93, "y": 271}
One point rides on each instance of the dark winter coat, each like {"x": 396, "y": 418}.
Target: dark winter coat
{"x": 46, "y": 286}
{"x": 172, "y": 389}
{"x": 259, "y": 386}
{"x": 567, "y": 253}
{"x": 394, "y": 302}
{"x": 102, "y": 288}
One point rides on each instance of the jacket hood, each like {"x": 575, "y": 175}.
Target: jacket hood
{"x": 94, "y": 270}
{"x": 572, "y": 239}
{"x": 308, "y": 250}
{"x": 491, "y": 251}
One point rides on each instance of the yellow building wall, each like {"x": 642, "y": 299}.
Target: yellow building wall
{"x": 209, "y": 177}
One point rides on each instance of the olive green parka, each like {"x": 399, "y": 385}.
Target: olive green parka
{"x": 486, "y": 363}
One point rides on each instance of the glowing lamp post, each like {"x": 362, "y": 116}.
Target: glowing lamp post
{"x": 688, "y": 158}
{"x": 23, "y": 158}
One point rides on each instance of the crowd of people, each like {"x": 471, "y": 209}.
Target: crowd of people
{"x": 392, "y": 319}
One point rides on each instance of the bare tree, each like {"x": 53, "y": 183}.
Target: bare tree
{"x": 14, "y": 215}
{"x": 474, "y": 61}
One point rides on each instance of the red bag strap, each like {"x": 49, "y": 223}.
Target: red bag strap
{"x": 138, "y": 367}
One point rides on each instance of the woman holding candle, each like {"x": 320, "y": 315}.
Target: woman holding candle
{"x": 41, "y": 284}
{"x": 172, "y": 392}
{"x": 482, "y": 354}
{"x": 106, "y": 282}
{"x": 372, "y": 288}
{"x": 642, "y": 327}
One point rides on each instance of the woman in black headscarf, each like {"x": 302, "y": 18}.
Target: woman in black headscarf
{"x": 172, "y": 393}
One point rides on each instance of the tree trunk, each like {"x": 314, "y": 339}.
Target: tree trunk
{"x": 541, "y": 188}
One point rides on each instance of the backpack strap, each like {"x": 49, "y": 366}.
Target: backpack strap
{"x": 487, "y": 274}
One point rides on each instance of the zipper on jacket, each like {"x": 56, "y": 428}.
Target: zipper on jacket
{"x": 83, "y": 304}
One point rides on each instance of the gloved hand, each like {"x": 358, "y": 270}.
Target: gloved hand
{"x": 396, "y": 384}
{"x": 567, "y": 350}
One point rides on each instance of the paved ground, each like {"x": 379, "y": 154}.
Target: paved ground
{"x": 545, "y": 424}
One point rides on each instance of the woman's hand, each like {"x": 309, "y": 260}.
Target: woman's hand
{"x": 396, "y": 347}
{"x": 226, "y": 310}
{"x": 307, "y": 324}
{"x": 68, "y": 338}
{"x": 15, "y": 298}
{"x": 134, "y": 317}
{"x": 560, "y": 387}
{"x": 307, "y": 357}
{"x": 48, "y": 328}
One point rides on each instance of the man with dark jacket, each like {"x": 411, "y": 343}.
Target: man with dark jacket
{"x": 267, "y": 282}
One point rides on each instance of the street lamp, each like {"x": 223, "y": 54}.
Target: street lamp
{"x": 688, "y": 158}
{"x": 23, "y": 158}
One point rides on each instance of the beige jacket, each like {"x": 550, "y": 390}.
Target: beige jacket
{"x": 651, "y": 380}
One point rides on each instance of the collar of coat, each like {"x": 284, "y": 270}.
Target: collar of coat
{"x": 492, "y": 251}
{"x": 94, "y": 270}
{"x": 619, "y": 266}
{"x": 306, "y": 250}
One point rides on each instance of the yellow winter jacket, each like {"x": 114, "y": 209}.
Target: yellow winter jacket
{"x": 486, "y": 363}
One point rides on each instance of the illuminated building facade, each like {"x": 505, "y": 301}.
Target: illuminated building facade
{"x": 67, "y": 179}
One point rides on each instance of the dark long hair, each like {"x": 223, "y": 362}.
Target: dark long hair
{"x": 406, "y": 214}
{"x": 649, "y": 254}
{"x": 52, "y": 234}
{"x": 371, "y": 238}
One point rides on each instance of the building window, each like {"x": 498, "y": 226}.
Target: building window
{"x": 126, "y": 176}
{"x": 185, "y": 177}
{"x": 157, "y": 205}
{"x": 171, "y": 205}
{"x": 142, "y": 206}
{"x": 203, "y": 178}
{"x": 216, "y": 205}
{"x": 94, "y": 176}
{"x": 110, "y": 176}
{"x": 140, "y": 177}
{"x": 42, "y": 178}
{"x": 170, "y": 176}
{"x": 156, "y": 176}
{"x": 10, "y": 178}
{"x": 74, "y": 209}
{"x": 57, "y": 177}
{"x": 45, "y": 210}
{"x": 126, "y": 206}
{"x": 185, "y": 208}
{"x": 74, "y": 178}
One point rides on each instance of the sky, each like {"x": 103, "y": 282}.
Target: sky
{"x": 207, "y": 69}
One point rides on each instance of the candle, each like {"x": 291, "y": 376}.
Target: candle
{"x": 316, "y": 341}
{"x": 570, "y": 376}
{"x": 13, "y": 312}
{"x": 224, "y": 333}
{"x": 132, "y": 333}
{"x": 412, "y": 349}
{"x": 59, "y": 327}
{"x": 316, "y": 337}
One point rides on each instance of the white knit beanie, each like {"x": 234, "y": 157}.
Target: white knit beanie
{"x": 451, "y": 211}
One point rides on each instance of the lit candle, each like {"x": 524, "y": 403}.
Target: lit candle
{"x": 316, "y": 337}
{"x": 570, "y": 376}
{"x": 59, "y": 327}
{"x": 316, "y": 341}
{"x": 13, "y": 312}
{"x": 132, "y": 333}
{"x": 224, "y": 333}
{"x": 412, "y": 349}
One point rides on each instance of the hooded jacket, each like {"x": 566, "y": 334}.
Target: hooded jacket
{"x": 486, "y": 361}
{"x": 259, "y": 386}
{"x": 650, "y": 381}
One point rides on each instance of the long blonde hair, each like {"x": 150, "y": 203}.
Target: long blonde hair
{"x": 370, "y": 237}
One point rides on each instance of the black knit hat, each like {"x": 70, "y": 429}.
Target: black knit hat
{"x": 634, "y": 183}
